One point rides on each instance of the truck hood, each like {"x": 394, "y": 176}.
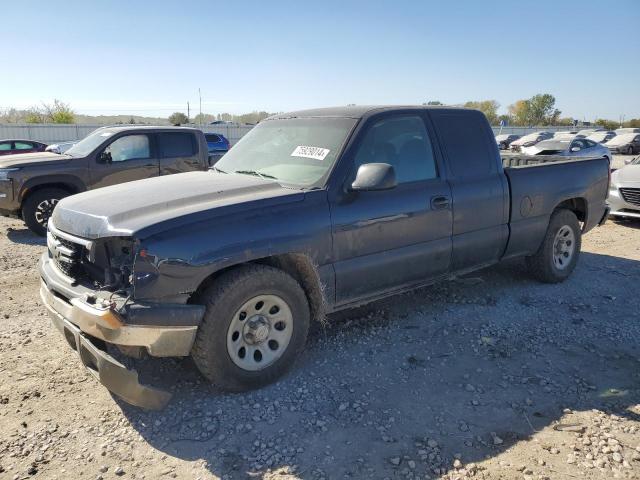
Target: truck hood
{"x": 128, "y": 208}
{"x": 31, "y": 159}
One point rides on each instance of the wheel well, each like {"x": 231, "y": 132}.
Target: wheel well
{"x": 577, "y": 206}
{"x": 71, "y": 189}
{"x": 299, "y": 266}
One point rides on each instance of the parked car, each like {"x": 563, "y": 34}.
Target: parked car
{"x": 504, "y": 140}
{"x": 217, "y": 143}
{"x": 59, "y": 147}
{"x": 620, "y": 131}
{"x": 589, "y": 131}
{"x": 564, "y": 135}
{"x": 32, "y": 184}
{"x": 530, "y": 139}
{"x": 14, "y": 147}
{"x": 627, "y": 143}
{"x": 624, "y": 193}
{"x": 601, "y": 137}
{"x": 577, "y": 147}
{"x": 311, "y": 212}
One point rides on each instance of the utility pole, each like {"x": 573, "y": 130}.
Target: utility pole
{"x": 188, "y": 112}
{"x": 200, "y": 97}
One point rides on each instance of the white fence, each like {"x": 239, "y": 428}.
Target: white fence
{"x": 49, "y": 133}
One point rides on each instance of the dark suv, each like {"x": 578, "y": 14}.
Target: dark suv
{"x": 32, "y": 184}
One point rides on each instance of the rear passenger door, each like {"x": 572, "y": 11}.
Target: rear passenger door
{"x": 178, "y": 152}
{"x": 478, "y": 186}
{"x": 128, "y": 157}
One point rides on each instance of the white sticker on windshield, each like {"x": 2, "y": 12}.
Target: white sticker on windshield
{"x": 316, "y": 153}
{"x": 106, "y": 134}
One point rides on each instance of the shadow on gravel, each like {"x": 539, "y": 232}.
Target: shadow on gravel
{"x": 25, "y": 236}
{"x": 399, "y": 388}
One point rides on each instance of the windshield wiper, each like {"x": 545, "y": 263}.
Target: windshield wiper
{"x": 219, "y": 170}
{"x": 256, "y": 173}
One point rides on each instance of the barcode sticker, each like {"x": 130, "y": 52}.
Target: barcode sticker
{"x": 316, "y": 153}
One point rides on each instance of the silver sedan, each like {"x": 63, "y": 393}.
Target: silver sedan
{"x": 624, "y": 191}
{"x": 576, "y": 147}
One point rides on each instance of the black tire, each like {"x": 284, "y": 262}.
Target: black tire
{"x": 542, "y": 264}
{"x": 223, "y": 300}
{"x": 38, "y": 207}
{"x": 630, "y": 150}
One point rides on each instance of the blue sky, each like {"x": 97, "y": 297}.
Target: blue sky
{"x": 150, "y": 58}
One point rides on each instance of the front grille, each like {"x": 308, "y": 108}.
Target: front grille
{"x": 631, "y": 195}
{"x": 66, "y": 255}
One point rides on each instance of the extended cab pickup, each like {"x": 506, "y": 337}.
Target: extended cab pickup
{"x": 311, "y": 212}
{"x": 32, "y": 184}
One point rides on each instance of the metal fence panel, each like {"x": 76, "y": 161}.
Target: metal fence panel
{"x": 49, "y": 133}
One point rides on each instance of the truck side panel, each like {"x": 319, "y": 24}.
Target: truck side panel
{"x": 537, "y": 190}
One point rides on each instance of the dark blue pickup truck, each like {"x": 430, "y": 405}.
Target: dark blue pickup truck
{"x": 311, "y": 212}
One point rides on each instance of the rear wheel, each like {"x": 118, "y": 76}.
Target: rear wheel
{"x": 630, "y": 150}
{"x": 254, "y": 328}
{"x": 558, "y": 254}
{"x": 38, "y": 208}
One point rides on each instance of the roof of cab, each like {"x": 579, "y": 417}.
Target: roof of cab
{"x": 119, "y": 128}
{"x": 355, "y": 111}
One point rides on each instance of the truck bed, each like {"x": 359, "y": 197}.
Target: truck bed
{"x": 539, "y": 184}
{"x": 511, "y": 159}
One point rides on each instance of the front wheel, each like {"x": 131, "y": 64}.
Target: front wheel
{"x": 558, "y": 254}
{"x": 38, "y": 208}
{"x": 255, "y": 326}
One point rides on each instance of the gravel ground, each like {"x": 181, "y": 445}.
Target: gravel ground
{"x": 492, "y": 376}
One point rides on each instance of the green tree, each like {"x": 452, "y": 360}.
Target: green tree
{"x": 519, "y": 113}
{"x": 537, "y": 110}
{"x": 34, "y": 115}
{"x": 178, "y": 118}
{"x": 608, "y": 124}
{"x": 58, "y": 112}
{"x": 633, "y": 123}
{"x": 542, "y": 109}
{"x": 488, "y": 107}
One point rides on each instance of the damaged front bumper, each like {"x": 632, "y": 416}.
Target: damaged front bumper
{"x": 163, "y": 330}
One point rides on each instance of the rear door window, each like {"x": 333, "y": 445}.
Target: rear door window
{"x": 465, "y": 138}
{"x": 176, "y": 144}
{"x": 5, "y": 146}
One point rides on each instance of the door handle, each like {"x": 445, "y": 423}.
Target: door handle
{"x": 440, "y": 202}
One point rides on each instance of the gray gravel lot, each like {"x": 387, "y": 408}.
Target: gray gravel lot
{"x": 492, "y": 376}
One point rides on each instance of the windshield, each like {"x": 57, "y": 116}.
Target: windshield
{"x": 622, "y": 139}
{"x": 598, "y": 137}
{"x": 297, "y": 151}
{"x": 553, "y": 145}
{"x": 85, "y": 146}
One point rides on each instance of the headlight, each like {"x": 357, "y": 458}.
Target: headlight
{"x": 4, "y": 172}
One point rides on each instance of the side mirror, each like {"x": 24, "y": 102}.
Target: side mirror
{"x": 373, "y": 177}
{"x": 105, "y": 157}
{"x": 575, "y": 149}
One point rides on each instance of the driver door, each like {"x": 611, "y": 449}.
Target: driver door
{"x": 386, "y": 240}
{"x": 126, "y": 158}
